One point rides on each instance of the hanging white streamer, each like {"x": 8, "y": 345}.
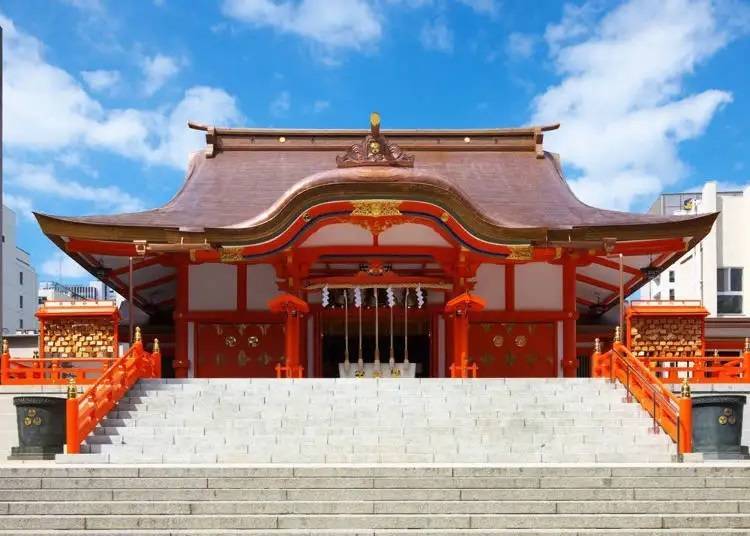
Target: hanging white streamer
{"x": 391, "y": 297}
{"x": 325, "y": 296}
{"x": 420, "y": 297}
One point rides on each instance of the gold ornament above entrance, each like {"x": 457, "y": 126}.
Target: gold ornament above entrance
{"x": 229, "y": 254}
{"x": 374, "y": 150}
{"x": 521, "y": 252}
{"x": 376, "y": 208}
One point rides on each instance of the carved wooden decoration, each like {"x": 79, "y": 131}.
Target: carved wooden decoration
{"x": 374, "y": 150}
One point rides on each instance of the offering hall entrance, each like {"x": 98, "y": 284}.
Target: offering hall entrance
{"x": 375, "y": 332}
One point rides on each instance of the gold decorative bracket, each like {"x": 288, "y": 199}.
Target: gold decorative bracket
{"x": 376, "y": 208}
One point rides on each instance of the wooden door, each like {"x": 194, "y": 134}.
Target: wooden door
{"x": 251, "y": 350}
{"x": 513, "y": 350}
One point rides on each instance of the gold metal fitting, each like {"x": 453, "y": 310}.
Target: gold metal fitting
{"x": 137, "y": 334}
{"x": 618, "y": 336}
{"x": 156, "y": 346}
{"x": 72, "y": 389}
{"x": 6, "y": 349}
{"x": 597, "y": 346}
{"x": 685, "y": 389}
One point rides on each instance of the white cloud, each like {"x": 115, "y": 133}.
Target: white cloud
{"x": 621, "y": 101}
{"x": 436, "y": 35}
{"x": 21, "y": 205}
{"x": 59, "y": 266}
{"x": 321, "y": 106}
{"x": 157, "y": 71}
{"x": 334, "y": 23}
{"x": 281, "y": 104}
{"x": 520, "y": 46}
{"x": 101, "y": 80}
{"x": 41, "y": 180}
{"x": 488, "y": 7}
{"x": 48, "y": 110}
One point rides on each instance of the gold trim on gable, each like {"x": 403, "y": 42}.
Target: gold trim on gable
{"x": 375, "y": 208}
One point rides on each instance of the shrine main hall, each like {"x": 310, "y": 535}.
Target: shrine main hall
{"x": 327, "y": 253}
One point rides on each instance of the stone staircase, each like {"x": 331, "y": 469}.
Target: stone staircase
{"x": 375, "y": 421}
{"x": 677, "y": 499}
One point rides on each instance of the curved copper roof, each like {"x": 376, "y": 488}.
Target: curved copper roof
{"x": 499, "y": 183}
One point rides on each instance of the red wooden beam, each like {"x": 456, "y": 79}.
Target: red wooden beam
{"x": 615, "y": 266}
{"x": 597, "y": 282}
{"x": 155, "y": 282}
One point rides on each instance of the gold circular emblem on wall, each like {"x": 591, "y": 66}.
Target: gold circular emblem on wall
{"x": 253, "y": 341}
{"x": 732, "y": 420}
{"x": 27, "y": 421}
{"x": 498, "y": 340}
{"x": 230, "y": 341}
{"x": 37, "y": 421}
{"x": 722, "y": 419}
{"x": 521, "y": 341}
{"x": 31, "y": 412}
{"x": 395, "y": 372}
{"x": 727, "y": 411}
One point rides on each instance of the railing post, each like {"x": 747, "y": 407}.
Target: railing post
{"x": 746, "y": 361}
{"x": 595, "y": 357}
{"x": 685, "y": 428}
{"x": 71, "y": 419}
{"x": 156, "y": 360}
{"x": 5, "y": 363}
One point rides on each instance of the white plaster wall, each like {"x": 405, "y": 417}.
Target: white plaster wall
{"x": 261, "y": 286}
{"x": 539, "y": 287}
{"x": 490, "y": 285}
{"x": 340, "y": 234}
{"x": 411, "y": 234}
{"x": 212, "y": 287}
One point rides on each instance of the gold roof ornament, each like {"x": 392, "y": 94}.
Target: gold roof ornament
{"x": 376, "y": 208}
{"x": 374, "y": 150}
{"x": 521, "y": 252}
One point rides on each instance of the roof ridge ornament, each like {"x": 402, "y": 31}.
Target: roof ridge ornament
{"x": 375, "y": 150}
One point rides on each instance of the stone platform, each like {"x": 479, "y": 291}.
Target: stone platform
{"x": 375, "y": 421}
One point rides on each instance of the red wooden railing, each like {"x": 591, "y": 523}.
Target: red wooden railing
{"x": 673, "y": 414}
{"x": 52, "y": 371}
{"x": 463, "y": 369}
{"x": 84, "y": 411}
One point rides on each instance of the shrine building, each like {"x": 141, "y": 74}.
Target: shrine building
{"x": 326, "y": 253}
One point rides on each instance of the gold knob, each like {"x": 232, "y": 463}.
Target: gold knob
{"x": 137, "y": 334}
{"x": 72, "y": 389}
{"x": 156, "y": 346}
{"x": 597, "y": 346}
{"x": 685, "y": 389}
{"x": 6, "y": 349}
{"x": 618, "y": 336}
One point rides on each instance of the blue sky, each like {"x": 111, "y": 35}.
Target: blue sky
{"x": 652, "y": 96}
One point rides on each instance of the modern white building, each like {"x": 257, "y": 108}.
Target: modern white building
{"x": 20, "y": 287}
{"x": 93, "y": 290}
{"x": 714, "y": 271}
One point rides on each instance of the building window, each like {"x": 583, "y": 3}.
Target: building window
{"x": 20, "y": 278}
{"x": 20, "y": 301}
{"x": 671, "y": 294}
{"x": 729, "y": 287}
{"x": 671, "y": 276}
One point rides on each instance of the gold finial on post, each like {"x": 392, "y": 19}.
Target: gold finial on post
{"x": 597, "y": 346}
{"x": 137, "y": 334}
{"x": 716, "y": 353}
{"x": 618, "y": 335}
{"x": 375, "y": 124}
{"x": 72, "y": 389}
{"x": 6, "y": 348}
{"x": 685, "y": 389}
{"x": 156, "y": 346}
{"x": 747, "y": 344}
